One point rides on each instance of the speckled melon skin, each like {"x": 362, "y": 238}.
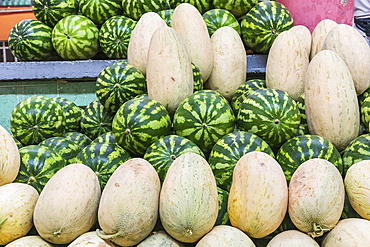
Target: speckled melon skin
{"x": 9, "y": 157}
{"x": 319, "y": 34}
{"x": 29, "y": 241}
{"x": 91, "y": 239}
{"x": 304, "y": 36}
{"x": 159, "y": 239}
{"x": 292, "y": 238}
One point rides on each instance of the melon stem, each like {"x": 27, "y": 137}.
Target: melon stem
{"x": 102, "y": 235}
{"x": 2, "y": 222}
{"x": 318, "y": 231}
{"x": 57, "y": 233}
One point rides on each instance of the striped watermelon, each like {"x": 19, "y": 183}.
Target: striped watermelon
{"x": 204, "y": 118}
{"x": 365, "y": 112}
{"x": 64, "y": 147}
{"x": 222, "y": 216}
{"x": 100, "y": 10}
{"x": 105, "y": 138}
{"x": 201, "y": 5}
{"x": 263, "y": 23}
{"x": 197, "y": 78}
{"x": 38, "y": 165}
{"x": 96, "y": 120}
{"x": 72, "y": 112}
{"x": 31, "y": 40}
{"x": 138, "y": 123}
{"x": 103, "y": 159}
{"x": 228, "y": 150}
{"x": 237, "y": 8}
{"x": 348, "y": 211}
{"x": 19, "y": 144}
{"x": 299, "y": 149}
{"x": 302, "y": 109}
{"x": 75, "y": 37}
{"x": 356, "y": 151}
{"x": 78, "y": 138}
{"x": 216, "y": 18}
{"x": 118, "y": 83}
{"x": 114, "y": 36}
{"x": 166, "y": 15}
{"x": 52, "y": 11}
{"x": 165, "y": 150}
{"x": 271, "y": 114}
{"x": 136, "y": 8}
{"x": 362, "y": 96}
{"x": 302, "y": 130}
{"x": 36, "y": 119}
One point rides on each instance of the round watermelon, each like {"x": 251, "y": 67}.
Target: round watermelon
{"x": 136, "y": 8}
{"x": 201, "y": 5}
{"x": 100, "y": 10}
{"x": 64, "y": 147}
{"x": 72, "y": 112}
{"x": 105, "y": 138}
{"x": 78, "y": 138}
{"x": 217, "y": 18}
{"x": 356, "y": 151}
{"x": 237, "y": 8}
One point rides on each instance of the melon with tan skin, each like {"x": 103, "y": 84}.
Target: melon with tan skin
{"x": 91, "y": 239}
{"x": 292, "y": 238}
{"x": 159, "y": 239}
{"x": 319, "y": 35}
{"x": 304, "y": 36}
{"x": 29, "y": 241}
{"x": 9, "y": 157}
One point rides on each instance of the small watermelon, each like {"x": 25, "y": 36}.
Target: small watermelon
{"x": 105, "y": 138}
{"x": 72, "y": 112}
{"x": 216, "y": 18}
{"x": 64, "y": 147}
{"x": 78, "y": 138}
{"x": 356, "y": 151}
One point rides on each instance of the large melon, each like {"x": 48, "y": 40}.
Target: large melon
{"x": 292, "y": 238}
{"x": 222, "y": 236}
{"x": 90, "y": 239}
{"x": 319, "y": 34}
{"x": 304, "y": 36}
{"x": 159, "y": 239}
{"x": 9, "y": 157}
{"x": 29, "y": 241}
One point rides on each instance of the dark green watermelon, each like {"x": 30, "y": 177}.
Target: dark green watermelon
{"x": 78, "y": 138}
{"x": 271, "y": 114}
{"x": 136, "y": 8}
{"x": 105, "y": 138}
{"x": 302, "y": 130}
{"x": 363, "y": 96}
{"x": 72, "y": 112}
{"x": 204, "y": 118}
{"x": 228, "y": 150}
{"x": 138, "y": 123}
{"x": 38, "y": 164}
{"x": 348, "y": 211}
{"x": 302, "y": 109}
{"x": 365, "y": 113}
{"x": 118, "y": 83}
{"x": 36, "y": 119}
{"x": 103, "y": 159}
{"x": 217, "y": 18}
{"x": 299, "y": 149}
{"x": 100, "y": 10}
{"x": 114, "y": 36}
{"x": 197, "y": 78}
{"x": 222, "y": 216}
{"x": 237, "y": 8}
{"x": 165, "y": 150}
{"x": 166, "y": 15}
{"x": 19, "y": 144}
{"x": 356, "y": 151}
{"x": 201, "y": 5}
{"x": 96, "y": 120}
{"x": 64, "y": 147}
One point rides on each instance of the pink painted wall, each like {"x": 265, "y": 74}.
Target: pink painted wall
{"x": 310, "y": 12}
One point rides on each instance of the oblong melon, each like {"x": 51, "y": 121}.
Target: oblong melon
{"x": 258, "y": 195}
{"x": 304, "y": 36}
{"x": 319, "y": 34}
{"x": 292, "y": 238}
{"x": 159, "y": 239}
{"x": 29, "y": 241}
{"x": 9, "y": 157}
{"x": 188, "y": 205}
{"x": 91, "y": 239}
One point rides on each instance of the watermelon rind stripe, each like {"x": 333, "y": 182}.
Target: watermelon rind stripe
{"x": 100, "y": 10}
{"x": 136, "y": 8}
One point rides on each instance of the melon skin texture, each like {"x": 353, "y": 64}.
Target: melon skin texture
{"x": 331, "y": 102}
{"x": 128, "y": 208}
{"x": 229, "y": 69}
{"x": 188, "y": 205}
{"x": 68, "y": 204}
{"x": 159, "y": 239}
{"x": 319, "y": 35}
{"x": 292, "y": 238}
{"x": 349, "y": 44}
{"x": 29, "y": 241}
{"x": 224, "y": 235}
{"x": 9, "y": 157}
{"x": 304, "y": 36}
{"x": 169, "y": 72}
{"x": 287, "y": 65}
{"x": 190, "y": 25}
{"x": 348, "y": 232}
{"x": 138, "y": 46}
{"x": 17, "y": 203}
{"x": 91, "y": 239}
{"x": 357, "y": 184}
{"x": 258, "y": 195}
{"x": 316, "y": 197}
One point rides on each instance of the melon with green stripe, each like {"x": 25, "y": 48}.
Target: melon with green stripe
{"x": 37, "y": 165}
{"x": 356, "y": 151}
{"x": 100, "y": 10}
{"x": 114, "y": 36}
{"x": 36, "y": 119}
{"x": 78, "y": 138}
{"x": 64, "y": 147}
{"x": 31, "y": 40}
{"x": 103, "y": 159}
{"x": 96, "y": 120}
{"x": 201, "y": 5}
{"x": 165, "y": 150}
{"x": 105, "y": 138}
{"x": 222, "y": 216}
{"x": 243, "y": 91}
{"x": 263, "y": 23}
{"x": 75, "y": 37}
{"x": 217, "y": 18}
{"x": 166, "y": 15}
{"x": 204, "y": 118}
{"x": 237, "y": 8}
{"x": 138, "y": 123}
{"x": 136, "y": 8}
{"x": 270, "y": 114}
{"x": 52, "y": 11}
{"x": 197, "y": 78}
{"x": 72, "y": 112}
{"x": 118, "y": 83}
{"x": 228, "y": 150}
{"x": 299, "y": 149}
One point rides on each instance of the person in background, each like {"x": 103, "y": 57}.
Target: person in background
{"x": 362, "y": 18}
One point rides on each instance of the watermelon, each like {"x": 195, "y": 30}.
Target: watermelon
{"x": 100, "y": 10}
{"x": 103, "y": 159}
{"x": 348, "y": 211}
{"x": 72, "y": 112}
{"x": 302, "y": 130}
{"x": 356, "y": 151}
{"x": 36, "y": 119}
{"x": 365, "y": 112}
{"x": 302, "y": 109}
{"x": 237, "y": 8}
{"x": 166, "y": 15}
{"x": 78, "y": 138}
{"x": 204, "y": 118}
{"x": 263, "y": 23}
{"x": 299, "y": 149}
{"x": 271, "y": 114}
{"x": 165, "y": 150}
{"x": 363, "y": 96}
{"x": 31, "y": 40}
{"x": 118, "y": 83}
{"x": 222, "y": 216}
{"x": 201, "y": 5}
{"x": 38, "y": 165}
{"x": 138, "y": 123}
{"x": 62, "y": 146}
{"x": 136, "y": 8}
{"x": 105, "y": 138}
{"x": 197, "y": 78}
{"x": 243, "y": 91}
{"x": 216, "y": 18}
{"x": 114, "y": 36}
{"x": 96, "y": 120}
{"x": 19, "y": 144}
{"x": 228, "y": 150}
{"x": 75, "y": 37}
{"x": 52, "y": 11}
